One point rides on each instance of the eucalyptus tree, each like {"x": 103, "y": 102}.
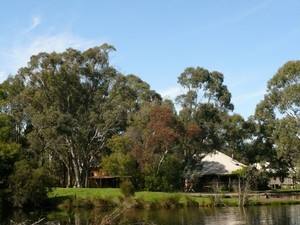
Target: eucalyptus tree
{"x": 125, "y": 149}
{"x": 9, "y": 149}
{"x": 237, "y": 137}
{"x": 204, "y": 106}
{"x": 12, "y": 106}
{"x": 162, "y": 132}
{"x": 74, "y": 101}
{"x": 279, "y": 114}
{"x": 12, "y": 139}
{"x": 202, "y": 87}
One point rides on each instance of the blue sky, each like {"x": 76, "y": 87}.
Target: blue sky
{"x": 247, "y": 41}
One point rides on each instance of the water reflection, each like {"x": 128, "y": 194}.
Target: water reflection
{"x": 264, "y": 215}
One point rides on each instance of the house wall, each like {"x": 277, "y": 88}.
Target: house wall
{"x": 218, "y": 182}
{"x": 287, "y": 183}
{"x": 104, "y": 182}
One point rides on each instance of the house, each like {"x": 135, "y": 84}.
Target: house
{"x": 217, "y": 172}
{"x": 275, "y": 182}
{"x": 101, "y": 179}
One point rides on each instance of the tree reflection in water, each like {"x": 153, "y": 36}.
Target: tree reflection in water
{"x": 259, "y": 215}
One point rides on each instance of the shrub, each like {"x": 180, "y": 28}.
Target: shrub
{"x": 127, "y": 188}
{"x": 166, "y": 179}
{"x": 171, "y": 202}
{"x": 29, "y": 184}
{"x": 191, "y": 203}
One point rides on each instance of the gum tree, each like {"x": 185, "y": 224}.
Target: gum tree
{"x": 204, "y": 106}
{"x": 279, "y": 114}
{"x": 74, "y": 101}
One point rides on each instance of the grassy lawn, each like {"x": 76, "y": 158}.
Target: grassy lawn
{"x": 61, "y": 194}
{"x": 108, "y": 193}
{"x": 86, "y": 193}
{"x": 149, "y": 196}
{"x": 74, "y": 195}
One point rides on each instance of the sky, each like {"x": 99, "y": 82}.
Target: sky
{"x": 156, "y": 40}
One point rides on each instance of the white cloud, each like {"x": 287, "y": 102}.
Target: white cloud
{"x": 249, "y": 96}
{"x": 171, "y": 93}
{"x": 50, "y": 43}
{"x": 35, "y": 21}
{"x": 19, "y": 54}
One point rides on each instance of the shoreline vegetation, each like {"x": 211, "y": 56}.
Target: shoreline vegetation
{"x": 113, "y": 202}
{"x": 109, "y": 198}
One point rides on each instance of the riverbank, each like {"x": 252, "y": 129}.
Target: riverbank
{"x": 106, "y": 198}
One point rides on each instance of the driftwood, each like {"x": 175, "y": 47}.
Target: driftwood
{"x": 28, "y": 222}
{"x": 35, "y": 223}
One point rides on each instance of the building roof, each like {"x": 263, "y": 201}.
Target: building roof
{"x": 220, "y": 164}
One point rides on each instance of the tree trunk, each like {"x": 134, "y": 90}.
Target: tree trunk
{"x": 76, "y": 168}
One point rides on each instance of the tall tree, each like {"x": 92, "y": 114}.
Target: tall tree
{"x": 11, "y": 126}
{"x": 120, "y": 161}
{"x": 74, "y": 101}
{"x": 161, "y": 134}
{"x": 237, "y": 134}
{"x": 9, "y": 149}
{"x": 202, "y": 87}
{"x": 154, "y": 131}
{"x": 279, "y": 114}
{"x": 203, "y": 108}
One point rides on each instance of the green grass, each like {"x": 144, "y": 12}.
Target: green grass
{"x": 86, "y": 193}
{"x": 68, "y": 195}
{"x": 286, "y": 190}
{"x": 112, "y": 196}
{"x": 67, "y": 198}
{"x": 149, "y": 196}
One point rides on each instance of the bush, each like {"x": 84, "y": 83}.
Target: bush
{"x": 127, "y": 188}
{"x": 167, "y": 178}
{"x": 171, "y": 202}
{"x": 29, "y": 184}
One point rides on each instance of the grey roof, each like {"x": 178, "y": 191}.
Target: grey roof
{"x": 219, "y": 163}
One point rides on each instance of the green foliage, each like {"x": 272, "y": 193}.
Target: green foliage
{"x": 127, "y": 188}
{"x": 29, "y": 184}
{"x": 277, "y": 118}
{"x": 283, "y": 88}
{"x": 85, "y": 192}
{"x": 205, "y": 105}
{"x": 257, "y": 179}
{"x": 9, "y": 154}
{"x": 73, "y": 102}
{"x": 120, "y": 162}
{"x": 171, "y": 202}
{"x": 202, "y": 85}
{"x": 237, "y": 133}
{"x": 168, "y": 178}
{"x": 9, "y": 150}
{"x": 240, "y": 172}
{"x": 152, "y": 181}
{"x": 76, "y": 109}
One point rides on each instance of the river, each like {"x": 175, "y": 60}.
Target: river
{"x": 259, "y": 215}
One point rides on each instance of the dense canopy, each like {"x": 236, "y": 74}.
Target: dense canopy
{"x": 72, "y": 112}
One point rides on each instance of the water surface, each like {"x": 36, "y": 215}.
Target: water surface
{"x": 259, "y": 215}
